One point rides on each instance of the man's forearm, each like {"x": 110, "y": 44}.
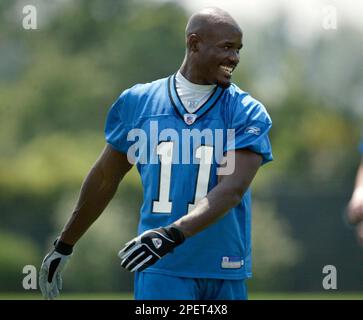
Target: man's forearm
{"x": 224, "y": 196}
{"x": 208, "y": 210}
{"x": 94, "y": 196}
{"x": 97, "y": 190}
{"x": 358, "y": 188}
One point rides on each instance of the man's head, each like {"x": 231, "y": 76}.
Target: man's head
{"x": 213, "y": 40}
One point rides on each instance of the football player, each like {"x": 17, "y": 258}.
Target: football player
{"x": 197, "y": 141}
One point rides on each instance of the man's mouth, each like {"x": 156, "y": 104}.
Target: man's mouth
{"x": 227, "y": 69}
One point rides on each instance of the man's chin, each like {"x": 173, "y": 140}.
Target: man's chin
{"x": 225, "y": 83}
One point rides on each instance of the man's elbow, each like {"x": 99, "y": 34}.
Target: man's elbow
{"x": 232, "y": 194}
{"x": 235, "y": 197}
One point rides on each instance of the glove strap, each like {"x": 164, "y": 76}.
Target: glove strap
{"x": 63, "y": 248}
{"x": 175, "y": 234}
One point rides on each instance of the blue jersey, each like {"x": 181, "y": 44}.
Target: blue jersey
{"x": 177, "y": 155}
{"x": 361, "y": 147}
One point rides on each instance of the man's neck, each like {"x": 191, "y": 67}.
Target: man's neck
{"x": 190, "y": 74}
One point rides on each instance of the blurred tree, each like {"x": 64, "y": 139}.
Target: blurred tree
{"x": 275, "y": 250}
{"x": 16, "y": 252}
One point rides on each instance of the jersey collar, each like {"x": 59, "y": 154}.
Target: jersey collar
{"x": 190, "y": 118}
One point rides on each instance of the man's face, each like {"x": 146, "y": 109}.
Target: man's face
{"x": 218, "y": 55}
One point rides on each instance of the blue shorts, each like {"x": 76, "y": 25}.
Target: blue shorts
{"x": 154, "y": 286}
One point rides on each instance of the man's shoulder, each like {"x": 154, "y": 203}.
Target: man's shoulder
{"x": 141, "y": 89}
{"x": 242, "y": 98}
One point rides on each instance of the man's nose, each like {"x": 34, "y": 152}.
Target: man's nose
{"x": 234, "y": 57}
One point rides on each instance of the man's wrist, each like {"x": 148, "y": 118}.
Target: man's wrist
{"x": 175, "y": 233}
{"x": 62, "y": 247}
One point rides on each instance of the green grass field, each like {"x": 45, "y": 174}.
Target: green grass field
{"x": 252, "y": 296}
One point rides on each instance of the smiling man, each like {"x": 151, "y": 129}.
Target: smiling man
{"x": 214, "y": 40}
{"x": 194, "y": 234}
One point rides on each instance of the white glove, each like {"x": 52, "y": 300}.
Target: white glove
{"x": 50, "y": 279}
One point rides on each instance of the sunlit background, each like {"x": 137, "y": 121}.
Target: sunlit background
{"x": 302, "y": 59}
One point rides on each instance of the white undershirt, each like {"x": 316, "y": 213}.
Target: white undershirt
{"x": 192, "y": 95}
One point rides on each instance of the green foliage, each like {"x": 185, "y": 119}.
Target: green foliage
{"x": 51, "y": 162}
{"x": 16, "y": 251}
{"x": 275, "y": 251}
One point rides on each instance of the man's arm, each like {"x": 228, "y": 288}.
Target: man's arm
{"x": 355, "y": 207}
{"x": 224, "y": 196}
{"x": 96, "y": 192}
{"x": 144, "y": 250}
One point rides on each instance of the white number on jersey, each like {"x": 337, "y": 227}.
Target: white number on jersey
{"x": 165, "y": 152}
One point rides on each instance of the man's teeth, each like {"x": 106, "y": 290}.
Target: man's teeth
{"x": 227, "y": 69}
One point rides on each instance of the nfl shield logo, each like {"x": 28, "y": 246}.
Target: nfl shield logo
{"x": 189, "y": 118}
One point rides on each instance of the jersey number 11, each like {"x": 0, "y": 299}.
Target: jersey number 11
{"x": 165, "y": 152}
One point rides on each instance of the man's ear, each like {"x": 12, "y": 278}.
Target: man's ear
{"x": 193, "y": 41}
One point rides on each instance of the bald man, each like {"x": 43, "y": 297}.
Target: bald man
{"x": 197, "y": 141}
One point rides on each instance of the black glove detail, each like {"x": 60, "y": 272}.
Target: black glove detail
{"x": 62, "y": 247}
{"x": 146, "y": 249}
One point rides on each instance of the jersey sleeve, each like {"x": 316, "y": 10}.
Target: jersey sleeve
{"x": 118, "y": 125}
{"x": 250, "y": 124}
{"x": 361, "y": 147}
